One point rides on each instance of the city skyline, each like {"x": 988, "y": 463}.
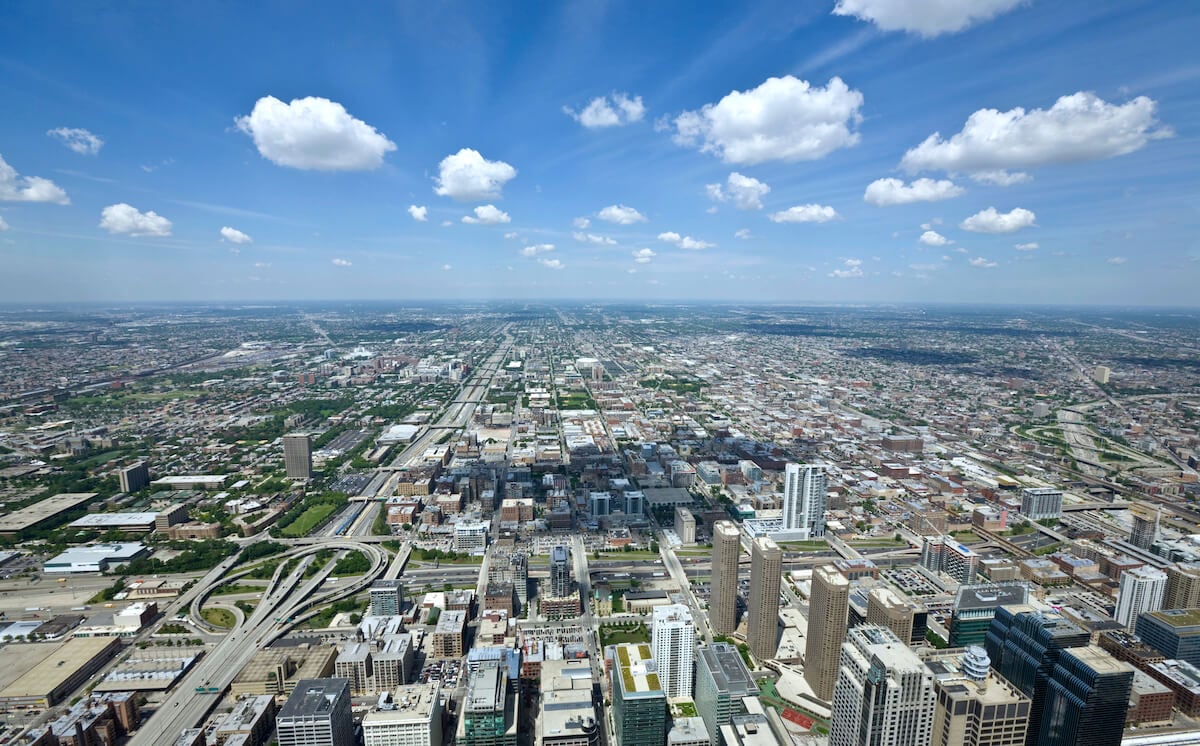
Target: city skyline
{"x": 820, "y": 153}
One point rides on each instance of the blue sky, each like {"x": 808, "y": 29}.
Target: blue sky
{"x": 841, "y": 150}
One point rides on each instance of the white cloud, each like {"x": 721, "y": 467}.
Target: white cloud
{"x": 552, "y": 263}
{"x": 850, "y": 268}
{"x": 593, "y": 238}
{"x": 1000, "y": 177}
{"x": 784, "y": 119}
{"x": 3, "y": 225}
{"x": 446, "y": 268}
{"x": 621, "y": 214}
{"x": 926, "y": 18}
{"x": 886, "y": 192}
{"x": 447, "y": 223}
{"x": 537, "y": 249}
{"x": 511, "y": 235}
{"x": 743, "y": 234}
{"x": 643, "y": 256}
{"x": 933, "y": 238}
{"x": 126, "y": 219}
{"x": 581, "y": 223}
{"x": 1026, "y": 246}
{"x": 1079, "y": 127}
{"x": 314, "y": 134}
{"x": 805, "y": 214}
{"x": 79, "y": 140}
{"x": 601, "y": 113}
{"x": 981, "y": 262}
{"x": 746, "y": 192}
{"x": 233, "y": 235}
{"x": 469, "y": 177}
{"x": 17, "y": 188}
{"x": 262, "y": 265}
{"x": 684, "y": 242}
{"x": 419, "y": 213}
{"x": 341, "y": 262}
{"x": 1117, "y": 260}
{"x": 488, "y": 215}
{"x": 990, "y": 221}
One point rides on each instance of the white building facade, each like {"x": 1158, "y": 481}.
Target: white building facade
{"x": 673, "y": 645}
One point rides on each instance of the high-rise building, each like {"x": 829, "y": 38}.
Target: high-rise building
{"x": 673, "y": 645}
{"x": 560, "y": 571}
{"x": 943, "y": 554}
{"x": 1141, "y": 590}
{"x": 134, "y": 477}
{"x": 1024, "y": 644}
{"x": 804, "y": 500}
{"x": 490, "y": 711}
{"x": 975, "y": 706}
{"x": 828, "y": 609}
{"x": 316, "y": 714}
{"x": 889, "y": 609}
{"x": 727, "y": 550}
{"x": 1101, "y": 374}
{"x": 884, "y": 694}
{"x": 1087, "y": 699}
{"x": 412, "y": 716}
{"x": 387, "y": 597}
{"x": 762, "y": 624}
{"x": 1183, "y": 586}
{"x": 722, "y": 681}
{"x": 1174, "y": 633}
{"x": 1040, "y": 503}
{"x": 297, "y": 455}
{"x": 975, "y": 607}
{"x": 1145, "y": 527}
{"x": 638, "y": 701}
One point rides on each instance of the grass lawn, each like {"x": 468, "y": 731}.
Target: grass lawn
{"x": 231, "y": 588}
{"x": 611, "y": 634}
{"x": 219, "y": 617}
{"x": 308, "y": 520}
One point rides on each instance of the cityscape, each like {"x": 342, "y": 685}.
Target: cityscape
{"x": 599, "y": 373}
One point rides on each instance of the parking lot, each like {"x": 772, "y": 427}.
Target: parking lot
{"x": 445, "y": 671}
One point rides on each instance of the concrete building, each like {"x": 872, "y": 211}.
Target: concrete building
{"x": 490, "y": 710}
{"x": 1183, "y": 586}
{"x": 316, "y": 714}
{"x": 297, "y": 455}
{"x": 722, "y": 681}
{"x": 1151, "y": 702}
{"x": 252, "y": 719}
{"x": 943, "y": 554}
{"x": 448, "y": 639}
{"x": 134, "y": 477}
{"x": 470, "y": 536}
{"x": 567, "y": 716}
{"x": 62, "y": 669}
{"x": 638, "y": 702}
{"x": 410, "y": 716}
{"x": 727, "y": 550}
{"x": 1145, "y": 527}
{"x": 1087, "y": 699}
{"x": 975, "y": 607}
{"x": 884, "y": 694}
{"x": 975, "y": 706}
{"x": 277, "y": 670}
{"x": 685, "y": 525}
{"x": 688, "y": 731}
{"x": 1040, "y": 503}
{"x": 762, "y": 626}
{"x": 95, "y": 557}
{"x": 887, "y": 608}
{"x": 1101, "y": 374}
{"x": 387, "y": 597}
{"x": 804, "y": 500}
{"x": 560, "y": 571}
{"x": 1175, "y": 633}
{"x": 673, "y": 645}
{"x": 1141, "y": 590}
{"x": 828, "y": 610}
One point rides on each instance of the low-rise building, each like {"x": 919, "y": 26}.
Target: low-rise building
{"x": 406, "y": 716}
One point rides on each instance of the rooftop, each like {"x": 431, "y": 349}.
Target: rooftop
{"x": 729, "y": 671}
{"x": 451, "y": 622}
{"x": 31, "y": 515}
{"x": 416, "y": 702}
{"x": 1178, "y": 618}
{"x": 314, "y": 698}
{"x": 991, "y": 595}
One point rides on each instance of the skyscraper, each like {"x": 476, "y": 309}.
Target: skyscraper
{"x": 889, "y": 609}
{"x": 975, "y": 706}
{"x": 560, "y": 571}
{"x": 1183, "y": 586}
{"x": 762, "y": 626}
{"x": 1087, "y": 699}
{"x": 316, "y": 714}
{"x": 1141, "y": 590}
{"x": 297, "y": 455}
{"x": 804, "y": 500}
{"x": 1145, "y": 527}
{"x": 884, "y": 693}
{"x": 1040, "y": 503}
{"x": 828, "y": 609}
{"x": 134, "y": 477}
{"x": 722, "y": 680}
{"x": 639, "y": 703}
{"x": 673, "y": 644}
{"x": 490, "y": 712}
{"x": 943, "y": 554}
{"x": 387, "y": 597}
{"x": 727, "y": 550}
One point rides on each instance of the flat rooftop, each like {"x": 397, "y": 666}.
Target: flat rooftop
{"x": 1178, "y": 618}
{"x": 990, "y": 595}
{"x": 314, "y": 698}
{"x": 415, "y": 702}
{"x": 728, "y": 669}
{"x": 58, "y": 666}
{"x": 31, "y": 515}
{"x": 451, "y": 622}
{"x": 114, "y": 520}
{"x": 638, "y": 671}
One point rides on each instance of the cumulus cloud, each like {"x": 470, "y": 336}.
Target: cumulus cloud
{"x": 446, "y": 268}
{"x": 314, "y": 134}
{"x": 123, "y": 219}
{"x": 990, "y": 221}
{"x": 1079, "y": 127}
{"x": 784, "y": 119}
{"x": 850, "y": 268}
{"x": 552, "y": 263}
{"x": 745, "y": 192}
{"x": 17, "y": 188}
{"x": 643, "y": 256}
{"x": 1000, "y": 177}
{"x": 79, "y": 140}
{"x": 541, "y": 248}
{"x": 487, "y": 215}
{"x": 581, "y": 223}
{"x": 684, "y": 242}
{"x": 927, "y": 18}
{"x": 805, "y": 214}
{"x": 419, "y": 213}
{"x": 621, "y": 214}
{"x": 603, "y": 112}
{"x": 981, "y": 262}
{"x": 469, "y": 177}
{"x": 233, "y": 235}
{"x": 1117, "y": 260}
{"x": 3, "y": 225}
{"x": 743, "y": 234}
{"x": 1026, "y": 246}
{"x": 593, "y": 239}
{"x": 341, "y": 262}
{"x": 886, "y": 192}
{"x": 933, "y": 238}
